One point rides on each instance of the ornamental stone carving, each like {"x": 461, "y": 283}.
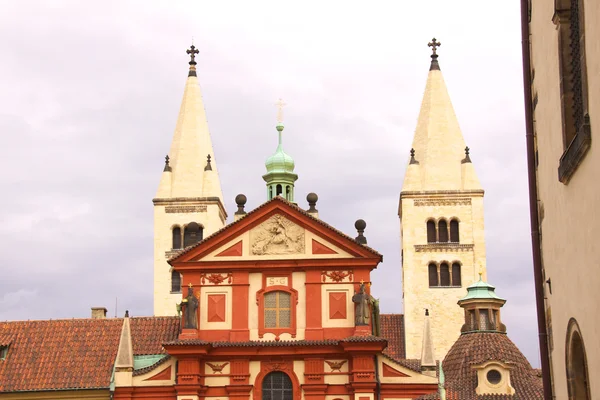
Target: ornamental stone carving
{"x": 277, "y": 235}
{"x": 460, "y": 201}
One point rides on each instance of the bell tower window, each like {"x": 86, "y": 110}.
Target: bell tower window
{"x": 431, "y": 232}
{"x": 443, "y": 231}
{"x": 175, "y": 282}
{"x": 177, "y": 238}
{"x": 454, "y": 237}
{"x": 278, "y": 190}
{"x": 192, "y": 234}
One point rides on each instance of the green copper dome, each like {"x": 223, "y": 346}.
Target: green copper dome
{"x": 481, "y": 290}
{"x": 280, "y": 161}
{"x": 280, "y": 176}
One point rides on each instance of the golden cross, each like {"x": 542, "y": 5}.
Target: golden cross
{"x": 280, "y": 104}
{"x": 362, "y": 281}
{"x": 434, "y": 44}
{"x": 190, "y": 285}
{"x": 480, "y": 272}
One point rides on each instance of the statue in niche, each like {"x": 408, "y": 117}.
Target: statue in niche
{"x": 362, "y": 312}
{"x": 190, "y": 315}
{"x": 277, "y": 235}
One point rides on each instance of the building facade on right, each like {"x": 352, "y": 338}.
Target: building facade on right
{"x": 561, "y": 56}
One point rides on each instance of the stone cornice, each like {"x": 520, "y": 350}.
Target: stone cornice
{"x": 443, "y": 247}
{"x": 442, "y": 193}
{"x": 190, "y": 201}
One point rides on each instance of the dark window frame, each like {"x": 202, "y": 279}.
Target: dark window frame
{"x": 569, "y": 18}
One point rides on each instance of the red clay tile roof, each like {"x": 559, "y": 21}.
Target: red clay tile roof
{"x": 73, "y": 354}
{"x": 476, "y": 348}
{"x": 392, "y": 329}
{"x": 289, "y": 204}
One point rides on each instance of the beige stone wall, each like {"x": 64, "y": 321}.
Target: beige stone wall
{"x": 446, "y": 317}
{"x": 212, "y": 220}
{"x": 568, "y": 213}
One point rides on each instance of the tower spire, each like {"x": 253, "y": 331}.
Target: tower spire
{"x": 280, "y": 176}
{"x": 189, "y": 202}
{"x": 438, "y": 142}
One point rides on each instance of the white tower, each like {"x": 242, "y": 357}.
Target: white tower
{"x": 189, "y": 202}
{"x": 441, "y": 222}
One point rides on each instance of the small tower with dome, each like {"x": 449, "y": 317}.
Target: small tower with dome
{"x": 280, "y": 176}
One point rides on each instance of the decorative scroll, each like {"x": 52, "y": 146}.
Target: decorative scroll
{"x": 277, "y": 235}
{"x": 184, "y": 209}
{"x": 337, "y": 276}
{"x": 216, "y": 279}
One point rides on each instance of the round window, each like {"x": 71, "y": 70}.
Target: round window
{"x": 494, "y": 377}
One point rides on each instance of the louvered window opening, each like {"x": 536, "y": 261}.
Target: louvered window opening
{"x": 443, "y": 275}
{"x": 277, "y": 386}
{"x": 278, "y": 313}
{"x": 441, "y": 233}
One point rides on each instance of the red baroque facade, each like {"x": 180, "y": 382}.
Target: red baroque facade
{"x": 274, "y": 317}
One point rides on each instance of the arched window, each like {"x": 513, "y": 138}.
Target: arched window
{"x": 278, "y": 190}
{"x": 270, "y": 192}
{"x": 277, "y": 386}
{"x": 176, "y": 238}
{"x": 278, "y": 313}
{"x": 433, "y": 275}
{"x": 454, "y": 238}
{"x": 444, "y": 274}
{"x": 175, "y": 282}
{"x": 287, "y": 192}
{"x": 431, "y": 234}
{"x": 577, "y": 371}
{"x": 443, "y": 231}
{"x": 192, "y": 234}
{"x": 456, "y": 280}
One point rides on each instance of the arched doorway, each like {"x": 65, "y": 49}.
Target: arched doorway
{"x": 577, "y": 374}
{"x": 277, "y": 386}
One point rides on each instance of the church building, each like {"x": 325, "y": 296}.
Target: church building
{"x": 278, "y": 304}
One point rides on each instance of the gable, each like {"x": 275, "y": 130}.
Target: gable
{"x": 275, "y": 230}
{"x": 394, "y": 372}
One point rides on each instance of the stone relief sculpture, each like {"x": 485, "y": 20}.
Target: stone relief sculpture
{"x": 277, "y": 235}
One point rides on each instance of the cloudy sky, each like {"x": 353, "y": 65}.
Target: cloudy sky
{"x": 90, "y": 96}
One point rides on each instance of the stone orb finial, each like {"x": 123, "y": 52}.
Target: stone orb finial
{"x": 360, "y": 225}
{"x": 241, "y": 200}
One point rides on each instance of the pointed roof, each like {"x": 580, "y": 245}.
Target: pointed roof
{"x": 439, "y": 146}
{"x": 192, "y": 169}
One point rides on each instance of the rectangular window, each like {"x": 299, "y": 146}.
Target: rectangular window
{"x": 278, "y": 312}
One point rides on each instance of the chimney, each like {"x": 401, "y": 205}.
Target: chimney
{"x": 99, "y": 312}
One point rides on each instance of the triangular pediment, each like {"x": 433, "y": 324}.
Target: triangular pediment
{"x": 392, "y": 371}
{"x": 275, "y": 230}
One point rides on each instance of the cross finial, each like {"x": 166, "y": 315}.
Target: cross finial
{"x": 434, "y": 44}
{"x": 280, "y": 104}
{"x": 167, "y": 166}
{"x": 208, "y": 165}
{"x": 467, "y": 150}
{"x": 190, "y": 285}
{"x": 192, "y": 51}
